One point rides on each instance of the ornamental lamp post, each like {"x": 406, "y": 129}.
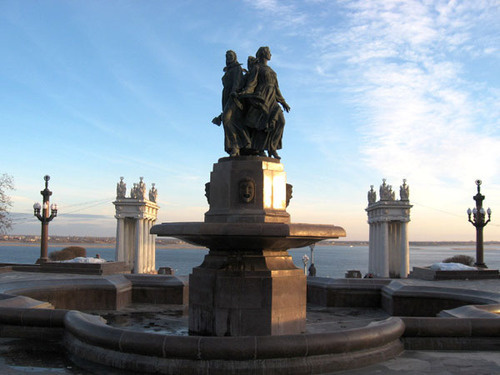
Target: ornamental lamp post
{"x": 312, "y": 267}
{"x": 45, "y": 218}
{"x": 478, "y": 220}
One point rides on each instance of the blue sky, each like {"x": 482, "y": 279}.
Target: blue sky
{"x": 95, "y": 90}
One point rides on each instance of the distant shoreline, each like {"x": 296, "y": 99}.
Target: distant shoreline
{"x": 96, "y": 245}
{"x": 185, "y": 245}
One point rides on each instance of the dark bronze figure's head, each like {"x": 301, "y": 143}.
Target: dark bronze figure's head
{"x": 263, "y": 53}
{"x": 231, "y": 57}
{"x": 246, "y": 190}
{"x": 251, "y": 61}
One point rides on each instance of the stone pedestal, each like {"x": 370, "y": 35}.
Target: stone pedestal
{"x": 247, "y": 284}
{"x": 247, "y": 189}
{"x": 244, "y": 294}
{"x": 241, "y": 292}
{"x": 134, "y": 244}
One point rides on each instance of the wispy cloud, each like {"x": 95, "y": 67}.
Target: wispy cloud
{"x": 284, "y": 13}
{"x": 410, "y": 72}
{"x": 404, "y": 65}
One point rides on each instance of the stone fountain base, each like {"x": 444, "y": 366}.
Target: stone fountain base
{"x": 247, "y": 284}
{"x": 243, "y": 294}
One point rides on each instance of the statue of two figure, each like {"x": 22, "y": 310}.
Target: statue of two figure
{"x": 251, "y": 114}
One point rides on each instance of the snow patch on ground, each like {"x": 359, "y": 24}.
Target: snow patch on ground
{"x": 84, "y": 260}
{"x": 451, "y": 267}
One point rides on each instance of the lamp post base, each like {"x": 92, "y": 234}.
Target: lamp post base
{"x": 42, "y": 260}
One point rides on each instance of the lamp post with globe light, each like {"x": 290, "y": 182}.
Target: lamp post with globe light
{"x": 478, "y": 220}
{"x": 45, "y": 218}
{"x": 312, "y": 267}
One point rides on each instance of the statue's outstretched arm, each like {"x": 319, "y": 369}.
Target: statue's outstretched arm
{"x": 280, "y": 99}
{"x": 217, "y": 120}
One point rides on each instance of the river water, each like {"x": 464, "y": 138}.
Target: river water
{"x": 330, "y": 261}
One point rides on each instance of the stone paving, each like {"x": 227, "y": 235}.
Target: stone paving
{"x": 21, "y": 357}
{"x": 436, "y": 363}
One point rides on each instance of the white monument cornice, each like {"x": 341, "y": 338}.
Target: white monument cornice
{"x": 386, "y": 211}
{"x": 136, "y": 208}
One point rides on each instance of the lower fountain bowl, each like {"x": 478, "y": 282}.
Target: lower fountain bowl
{"x": 249, "y": 236}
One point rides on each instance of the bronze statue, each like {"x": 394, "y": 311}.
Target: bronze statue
{"x": 235, "y": 136}
{"x": 252, "y": 117}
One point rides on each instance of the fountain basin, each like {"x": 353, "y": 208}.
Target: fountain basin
{"x": 247, "y": 284}
{"x": 249, "y": 236}
{"x": 87, "y": 337}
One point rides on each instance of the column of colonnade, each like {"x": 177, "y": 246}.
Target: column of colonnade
{"x": 388, "y": 219}
{"x": 135, "y": 216}
{"x": 371, "y": 239}
{"x": 405, "y": 243}
{"x": 147, "y": 262}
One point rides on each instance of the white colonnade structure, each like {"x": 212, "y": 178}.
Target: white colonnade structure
{"x": 136, "y": 215}
{"x": 389, "y": 249}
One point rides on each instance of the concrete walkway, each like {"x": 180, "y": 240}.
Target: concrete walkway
{"x": 19, "y": 356}
{"x": 435, "y": 363}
